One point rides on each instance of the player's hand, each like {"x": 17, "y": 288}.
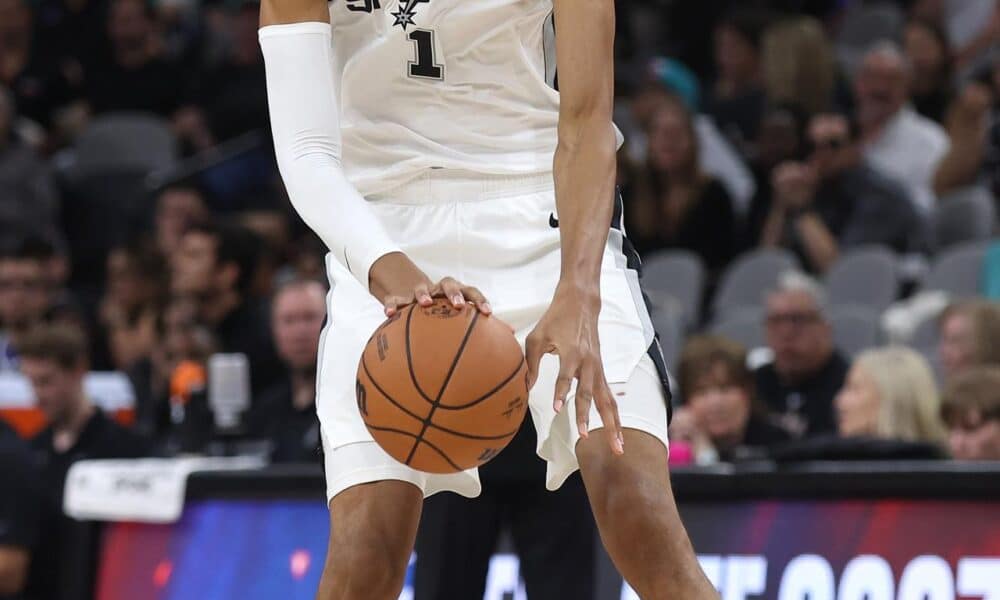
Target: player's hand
{"x": 568, "y": 329}
{"x": 397, "y": 282}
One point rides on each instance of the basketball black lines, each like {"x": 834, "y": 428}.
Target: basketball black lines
{"x": 371, "y": 378}
{"x": 409, "y": 356}
{"x": 444, "y": 386}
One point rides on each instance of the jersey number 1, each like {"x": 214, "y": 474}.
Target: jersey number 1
{"x": 425, "y": 67}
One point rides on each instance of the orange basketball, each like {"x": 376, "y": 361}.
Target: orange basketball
{"x": 442, "y": 389}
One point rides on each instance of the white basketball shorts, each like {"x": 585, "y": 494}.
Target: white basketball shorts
{"x": 499, "y": 234}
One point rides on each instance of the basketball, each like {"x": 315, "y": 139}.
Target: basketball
{"x": 442, "y": 389}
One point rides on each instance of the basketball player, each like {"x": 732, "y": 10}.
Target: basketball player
{"x": 460, "y": 162}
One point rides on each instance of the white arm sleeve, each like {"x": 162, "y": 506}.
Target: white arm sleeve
{"x": 305, "y": 121}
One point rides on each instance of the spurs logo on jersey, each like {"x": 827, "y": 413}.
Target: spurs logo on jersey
{"x": 460, "y": 84}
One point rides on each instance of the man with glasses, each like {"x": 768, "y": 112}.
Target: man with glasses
{"x": 833, "y": 200}
{"x": 800, "y": 383}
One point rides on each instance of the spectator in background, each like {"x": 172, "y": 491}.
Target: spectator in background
{"x": 29, "y": 200}
{"x": 969, "y": 336}
{"x": 19, "y": 513}
{"x": 178, "y": 207}
{"x": 25, "y": 298}
{"x": 54, "y": 359}
{"x": 968, "y": 161}
{"x": 972, "y": 413}
{"x": 737, "y": 99}
{"x": 133, "y": 76}
{"x": 721, "y": 413}
{"x": 890, "y": 394}
{"x": 898, "y": 142}
{"x": 807, "y": 371}
{"x": 232, "y": 96}
{"x": 286, "y": 412}
{"x": 781, "y": 139}
{"x": 927, "y": 51}
{"x": 38, "y": 87}
{"x": 674, "y": 204}
{"x": 799, "y": 66}
{"x": 834, "y": 201}
{"x": 216, "y": 266}
{"x": 136, "y": 286}
{"x": 973, "y": 26}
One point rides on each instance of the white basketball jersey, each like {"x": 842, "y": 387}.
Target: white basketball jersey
{"x": 459, "y": 84}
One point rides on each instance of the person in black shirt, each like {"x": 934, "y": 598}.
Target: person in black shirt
{"x": 54, "y": 359}
{"x": 672, "y": 203}
{"x": 721, "y": 412}
{"x": 286, "y": 412}
{"x": 554, "y": 533}
{"x": 216, "y": 266}
{"x": 807, "y": 371}
{"x": 19, "y": 513}
{"x": 834, "y": 201}
{"x": 133, "y": 76}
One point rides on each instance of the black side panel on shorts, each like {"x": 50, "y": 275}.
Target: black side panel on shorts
{"x": 635, "y": 263}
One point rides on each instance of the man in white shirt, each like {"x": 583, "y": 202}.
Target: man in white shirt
{"x": 898, "y": 141}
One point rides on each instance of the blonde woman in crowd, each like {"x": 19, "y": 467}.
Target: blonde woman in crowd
{"x": 798, "y": 65}
{"x": 890, "y": 394}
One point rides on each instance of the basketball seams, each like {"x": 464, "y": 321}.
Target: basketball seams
{"x": 487, "y": 395}
{"x": 447, "y": 379}
{"x": 409, "y": 357}
{"x": 364, "y": 367}
{"x": 412, "y": 435}
{"x": 371, "y": 378}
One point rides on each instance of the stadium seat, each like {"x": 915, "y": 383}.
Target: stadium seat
{"x": 123, "y": 141}
{"x": 969, "y": 214}
{"x": 866, "y": 277}
{"x": 958, "y": 270}
{"x": 745, "y": 326}
{"x": 669, "y": 324}
{"x": 855, "y": 328}
{"x": 745, "y": 281}
{"x": 675, "y": 276}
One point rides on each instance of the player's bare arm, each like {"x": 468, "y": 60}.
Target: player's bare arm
{"x": 584, "y": 169}
{"x": 307, "y": 143}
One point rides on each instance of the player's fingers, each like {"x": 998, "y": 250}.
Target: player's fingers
{"x": 533, "y": 351}
{"x": 476, "y": 297}
{"x": 569, "y": 366}
{"x": 452, "y": 290}
{"x": 394, "y": 303}
{"x": 584, "y": 398}
{"x": 607, "y": 407}
{"x": 422, "y": 294}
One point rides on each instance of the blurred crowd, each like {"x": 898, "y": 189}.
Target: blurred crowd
{"x": 144, "y": 228}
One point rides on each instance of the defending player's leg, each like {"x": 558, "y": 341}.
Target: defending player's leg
{"x": 637, "y": 517}
{"x": 372, "y": 531}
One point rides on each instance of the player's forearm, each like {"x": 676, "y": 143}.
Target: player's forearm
{"x": 305, "y": 124}
{"x": 584, "y": 170}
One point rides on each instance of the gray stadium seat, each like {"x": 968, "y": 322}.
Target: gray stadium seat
{"x": 745, "y": 326}
{"x": 676, "y": 275}
{"x": 669, "y": 325}
{"x": 958, "y": 270}
{"x": 124, "y": 142}
{"x": 855, "y": 328}
{"x": 969, "y": 214}
{"x": 866, "y": 276}
{"x": 745, "y": 281}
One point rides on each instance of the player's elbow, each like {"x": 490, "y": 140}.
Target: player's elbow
{"x": 13, "y": 570}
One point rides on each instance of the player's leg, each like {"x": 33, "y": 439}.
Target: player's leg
{"x": 372, "y": 530}
{"x": 637, "y": 517}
